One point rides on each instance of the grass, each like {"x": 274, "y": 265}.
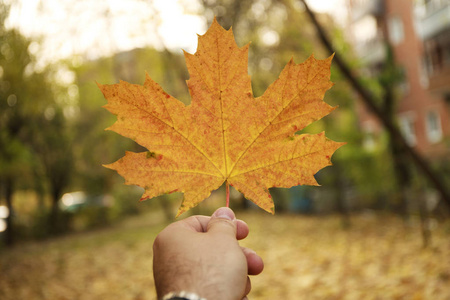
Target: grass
{"x": 305, "y": 258}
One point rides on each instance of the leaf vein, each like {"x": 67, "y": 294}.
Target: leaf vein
{"x": 270, "y": 123}
{"x": 174, "y": 129}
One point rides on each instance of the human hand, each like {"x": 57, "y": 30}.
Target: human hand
{"x": 202, "y": 255}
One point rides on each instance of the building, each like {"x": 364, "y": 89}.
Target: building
{"x": 418, "y": 33}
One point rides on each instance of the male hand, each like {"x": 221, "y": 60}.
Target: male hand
{"x": 202, "y": 255}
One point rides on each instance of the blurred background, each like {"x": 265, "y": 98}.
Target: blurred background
{"x": 376, "y": 228}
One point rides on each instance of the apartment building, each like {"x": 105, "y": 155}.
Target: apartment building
{"x": 418, "y": 33}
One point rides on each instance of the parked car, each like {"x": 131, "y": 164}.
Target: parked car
{"x": 75, "y": 201}
{"x": 4, "y": 213}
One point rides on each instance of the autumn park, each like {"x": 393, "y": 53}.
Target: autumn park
{"x": 324, "y": 125}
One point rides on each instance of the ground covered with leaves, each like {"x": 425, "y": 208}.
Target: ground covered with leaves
{"x": 378, "y": 257}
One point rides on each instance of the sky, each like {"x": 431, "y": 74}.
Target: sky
{"x": 91, "y": 29}
{"x": 102, "y": 27}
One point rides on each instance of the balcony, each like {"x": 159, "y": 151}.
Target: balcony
{"x": 373, "y": 51}
{"x": 439, "y": 81}
{"x": 362, "y": 8}
{"x": 436, "y": 19}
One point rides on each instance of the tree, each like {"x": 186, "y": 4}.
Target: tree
{"x": 388, "y": 123}
{"x": 34, "y": 141}
{"x": 14, "y": 160}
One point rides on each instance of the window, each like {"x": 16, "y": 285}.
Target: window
{"x": 396, "y": 33}
{"x": 433, "y": 126}
{"x": 408, "y": 129}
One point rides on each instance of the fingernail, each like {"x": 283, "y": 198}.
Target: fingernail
{"x": 224, "y": 213}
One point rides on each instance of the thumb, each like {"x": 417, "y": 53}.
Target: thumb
{"x": 224, "y": 221}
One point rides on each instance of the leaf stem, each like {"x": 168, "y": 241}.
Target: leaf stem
{"x": 228, "y": 193}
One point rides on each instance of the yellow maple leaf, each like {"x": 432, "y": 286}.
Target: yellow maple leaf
{"x": 225, "y": 134}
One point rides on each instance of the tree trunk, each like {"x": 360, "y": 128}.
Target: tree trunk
{"x": 424, "y": 217}
{"x": 53, "y": 220}
{"x": 388, "y": 80}
{"x": 403, "y": 176}
{"x": 341, "y": 203}
{"x": 40, "y": 191}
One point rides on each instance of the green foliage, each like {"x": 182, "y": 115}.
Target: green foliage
{"x": 35, "y": 144}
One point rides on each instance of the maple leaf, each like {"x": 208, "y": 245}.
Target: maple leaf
{"x": 224, "y": 134}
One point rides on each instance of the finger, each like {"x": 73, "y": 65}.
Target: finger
{"x": 224, "y": 221}
{"x": 241, "y": 230}
{"x": 248, "y": 287}
{"x": 195, "y": 223}
{"x": 200, "y": 223}
{"x": 255, "y": 264}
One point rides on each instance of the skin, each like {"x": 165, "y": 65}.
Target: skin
{"x": 202, "y": 255}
